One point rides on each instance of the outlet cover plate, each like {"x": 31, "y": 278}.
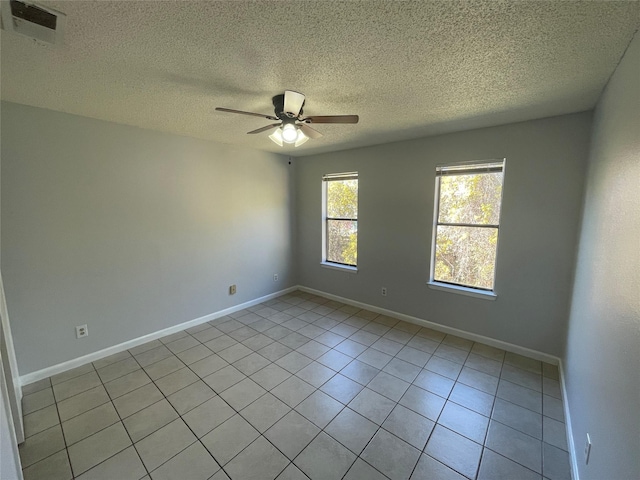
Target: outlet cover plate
{"x": 587, "y": 450}
{"x": 82, "y": 331}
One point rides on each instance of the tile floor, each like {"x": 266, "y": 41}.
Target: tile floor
{"x": 299, "y": 387}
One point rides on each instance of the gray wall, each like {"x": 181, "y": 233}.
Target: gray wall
{"x": 130, "y": 231}
{"x": 602, "y": 362}
{"x": 539, "y": 227}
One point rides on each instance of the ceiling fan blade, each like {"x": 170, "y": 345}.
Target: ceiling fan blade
{"x": 264, "y": 129}
{"x": 293, "y": 102}
{"x": 310, "y": 132}
{"x": 332, "y": 119}
{"x": 228, "y": 110}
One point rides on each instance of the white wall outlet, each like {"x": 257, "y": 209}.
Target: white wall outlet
{"x": 587, "y": 450}
{"x": 82, "y": 331}
{"x": 384, "y": 291}
{"x": 275, "y": 277}
{"x": 232, "y": 290}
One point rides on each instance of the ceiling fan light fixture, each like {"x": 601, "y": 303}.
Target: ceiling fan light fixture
{"x": 289, "y": 133}
{"x": 276, "y": 137}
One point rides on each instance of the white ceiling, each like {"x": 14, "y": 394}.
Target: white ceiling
{"x": 409, "y": 69}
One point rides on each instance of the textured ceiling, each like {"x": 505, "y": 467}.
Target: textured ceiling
{"x": 409, "y": 69}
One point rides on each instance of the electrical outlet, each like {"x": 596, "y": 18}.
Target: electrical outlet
{"x": 82, "y": 331}
{"x": 384, "y": 291}
{"x": 587, "y": 450}
{"x": 232, "y": 290}
{"x": 275, "y": 277}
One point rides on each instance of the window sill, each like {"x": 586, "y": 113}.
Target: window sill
{"x": 337, "y": 266}
{"x": 470, "y": 292}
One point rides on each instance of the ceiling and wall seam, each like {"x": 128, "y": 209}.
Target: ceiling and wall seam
{"x": 616, "y": 67}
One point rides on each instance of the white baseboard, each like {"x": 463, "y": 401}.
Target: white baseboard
{"x": 63, "y": 367}
{"x": 573, "y": 461}
{"x": 92, "y": 357}
{"x": 510, "y": 347}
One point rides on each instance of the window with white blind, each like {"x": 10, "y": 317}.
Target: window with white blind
{"x": 340, "y": 219}
{"x": 468, "y": 200}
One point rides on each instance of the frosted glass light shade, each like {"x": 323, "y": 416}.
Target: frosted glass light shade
{"x": 302, "y": 138}
{"x": 276, "y": 137}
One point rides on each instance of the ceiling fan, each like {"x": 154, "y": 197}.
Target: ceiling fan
{"x": 293, "y": 127}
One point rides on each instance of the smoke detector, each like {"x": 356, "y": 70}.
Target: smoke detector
{"x": 34, "y": 21}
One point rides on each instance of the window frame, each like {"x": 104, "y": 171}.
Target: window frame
{"x": 483, "y": 166}
{"x": 326, "y": 178}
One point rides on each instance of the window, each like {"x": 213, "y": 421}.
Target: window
{"x": 340, "y": 219}
{"x": 466, "y": 224}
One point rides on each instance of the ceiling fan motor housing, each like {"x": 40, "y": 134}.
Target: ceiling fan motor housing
{"x": 287, "y": 117}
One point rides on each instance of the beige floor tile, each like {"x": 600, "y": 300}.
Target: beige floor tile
{"x": 229, "y": 439}
{"x": 194, "y": 463}
{"x": 136, "y": 400}
{"x": 391, "y": 455}
{"x": 258, "y": 461}
{"x": 208, "y": 416}
{"x": 164, "y": 367}
{"x": 190, "y": 397}
{"x": 118, "y": 369}
{"x": 125, "y": 465}
{"x": 325, "y": 458}
{"x": 147, "y": 421}
{"x": 36, "y": 386}
{"x": 41, "y": 445}
{"x": 163, "y": 444}
{"x": 73, "y": 373}
{"x": 82, "y": 402}
{"x": 98, "y": 447}
{"x": 127, "y": 383}
{"x": 88, "y": 423}
{"x": 36, "y": 401}
{"x": 116, "y": 357}
{"x": 40, "y": 420}
{"x": 54, "y": 467}
{"x": 76, "y": 385}
{"x": 176, "y": 381}
{"x": 152, "y": 356}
